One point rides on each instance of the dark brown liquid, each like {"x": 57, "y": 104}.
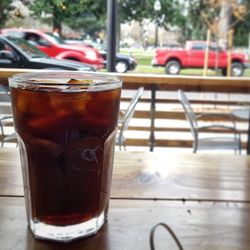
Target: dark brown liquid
{"x": 67, "y": 140}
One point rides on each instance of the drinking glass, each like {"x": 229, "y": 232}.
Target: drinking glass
{"x": 66, "y": 127}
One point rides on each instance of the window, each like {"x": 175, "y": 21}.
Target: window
{"x": 198, "y": 46}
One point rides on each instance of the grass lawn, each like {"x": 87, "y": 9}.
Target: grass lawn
{"x": 144, "y": 58}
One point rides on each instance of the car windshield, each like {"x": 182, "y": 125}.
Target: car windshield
{"x": 29, "y": 49}
{"x": 55, "y": 39}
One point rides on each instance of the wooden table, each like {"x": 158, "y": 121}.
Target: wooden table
{"x": 204, "y": 198}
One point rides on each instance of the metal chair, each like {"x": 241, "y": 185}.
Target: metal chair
{"x": 219, "y": 143}
{"x": 125, "y": 118}
{"x": 6, "y": 117}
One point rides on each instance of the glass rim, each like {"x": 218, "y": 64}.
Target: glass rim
{"x": 61, "y": 79}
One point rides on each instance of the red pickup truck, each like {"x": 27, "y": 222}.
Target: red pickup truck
{"x": 193, "y": 56}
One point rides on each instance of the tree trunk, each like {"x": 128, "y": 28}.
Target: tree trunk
{"x": 56, "y": 23}
{"x": 224, "y": 23}
{"x": 57, "y": 27}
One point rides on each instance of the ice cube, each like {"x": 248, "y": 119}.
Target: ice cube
{"x": 41, "y": 145}
{"x": 85, "y": 154}
{"x": 80, "y": 81}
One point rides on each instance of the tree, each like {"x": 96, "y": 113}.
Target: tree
{"x": 47, "y": 10}
{"x": 5, "y": 7}
{"x": 200, "y": 14}
{"x": 131, "y": 10}
{"x": 193, "y": 26}
{"x": 169, "y": 16}
{"x": 91, "y": 16}
{"x": 242, "y": 28}
{"x": 170, "y": 13}
{"x": 77, "y": 14}
{"x": 231, "y": 12}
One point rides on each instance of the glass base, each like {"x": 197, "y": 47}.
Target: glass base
{"x": 66, "y": 233}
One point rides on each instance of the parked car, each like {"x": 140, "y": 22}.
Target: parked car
{"x": 193, "y": 56}
{"x": 52, "y": 47}
{"x": 123, "y": 62}
{"x": 18, "y": 53}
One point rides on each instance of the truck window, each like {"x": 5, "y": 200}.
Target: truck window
{"x": 213, "y": 47}
{"x": 198, "y": 46}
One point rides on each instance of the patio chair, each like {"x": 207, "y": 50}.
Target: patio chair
{"x": 125, "y": 118}
{"x": 217, "y": 143}
{"x": 6, "y": 117}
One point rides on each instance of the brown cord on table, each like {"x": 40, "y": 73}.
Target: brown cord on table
{"x": 152, "y": 232}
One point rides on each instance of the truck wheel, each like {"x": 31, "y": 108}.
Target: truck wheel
{"x": 173, "y": 67}
{"x": 237, "y": 69}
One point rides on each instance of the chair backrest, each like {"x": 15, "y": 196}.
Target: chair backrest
{"x": 4, "y": 94}
{"x": 189, "y": 113}
{"x": 5, "y": 101}
{"x": 5, "y": 116}
{"x": 124, "y": 122}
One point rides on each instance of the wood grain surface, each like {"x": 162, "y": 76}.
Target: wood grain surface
{"x": 203, "y": 198}
{"x": 204, "y": 225}
{"x": 145, "y": 175}
{"x": 181, "y": 176}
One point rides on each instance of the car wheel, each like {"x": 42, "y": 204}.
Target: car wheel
{"x": 173, "y": 67}
{"x": 237, "y": 69}
{"x": 121, "y": 67}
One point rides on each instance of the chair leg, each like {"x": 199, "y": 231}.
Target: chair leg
{"x": 240, "y": 145}
{"x": 119, "y": 141}
{"x": 240, "y": 148}
{"x": 195, "y": 147}
{"x": 2, "y": 132}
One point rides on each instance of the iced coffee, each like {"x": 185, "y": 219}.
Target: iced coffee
{"x": 66, "y": 126}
